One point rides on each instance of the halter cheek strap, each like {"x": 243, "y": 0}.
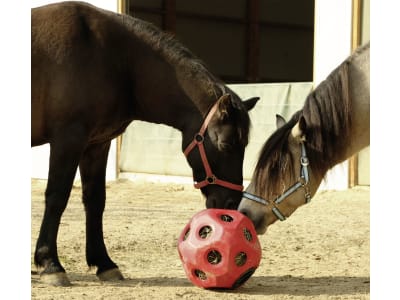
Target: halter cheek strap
{"x": 198, "y": 141}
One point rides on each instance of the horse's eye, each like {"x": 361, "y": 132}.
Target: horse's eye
{"x": 225, "y": 147}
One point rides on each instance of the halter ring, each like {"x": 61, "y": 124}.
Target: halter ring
{"x": 199, "y": 138}
{"x": 211, "y": 179}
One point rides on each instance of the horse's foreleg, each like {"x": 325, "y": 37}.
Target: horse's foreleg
{"x": 65, "y": 153}
{"x": 93, "y": 171}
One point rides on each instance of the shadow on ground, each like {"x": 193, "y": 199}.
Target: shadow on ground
{"x": 257, "y": 285}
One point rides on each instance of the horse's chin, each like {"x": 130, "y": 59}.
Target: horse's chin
{"x": 261, "y": 227}
{"x": 261, "y": 230}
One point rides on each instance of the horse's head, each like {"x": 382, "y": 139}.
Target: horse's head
{"x": 216, "y": 153}
{"x": 281, "y": 181}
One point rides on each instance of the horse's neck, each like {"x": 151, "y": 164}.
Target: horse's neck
{"x": 359, "y": 94}
{"x": 359, "y": 85}
{"x": 178, "y": 101}
{"x": 174, "y": 87}
{"x": 357, "y": 137}
{"x": 201, "y": 87}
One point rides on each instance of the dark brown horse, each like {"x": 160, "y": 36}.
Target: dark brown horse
{"x": 94, "y": 72}
{"x": 332, "y": 126}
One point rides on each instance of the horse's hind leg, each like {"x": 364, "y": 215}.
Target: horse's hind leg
{"x": 65, "y": 153}
{"x": 93, "y": 172}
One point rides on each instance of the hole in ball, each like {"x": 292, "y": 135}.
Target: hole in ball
{"x": 240, "y": 259}
{"x": 205, "y": 232}
{"x": 186, "y": 234}
{"x": 226, "y": 218}
{"x": 214, "y": 257}
{"x": 200, "y": 274}
{"x": 247, "y": 234}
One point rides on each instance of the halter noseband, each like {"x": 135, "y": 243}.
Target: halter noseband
{"x": 301, "y": 183}
{"x": 198, "y": 141}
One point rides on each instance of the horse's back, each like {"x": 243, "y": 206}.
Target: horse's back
{"x": 61, "y": 29}
{"x": 71, "y": 58}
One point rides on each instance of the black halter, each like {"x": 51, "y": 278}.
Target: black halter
{"x": 301, "y": 183}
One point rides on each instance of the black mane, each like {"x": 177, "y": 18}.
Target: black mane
{"x": 174, "y": 52}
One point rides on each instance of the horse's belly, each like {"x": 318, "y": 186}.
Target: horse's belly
{"x": 38, "y": 135}
{"x": 102, "y": 134}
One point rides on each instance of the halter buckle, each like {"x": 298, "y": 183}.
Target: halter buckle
{"x": 304, "y": 161}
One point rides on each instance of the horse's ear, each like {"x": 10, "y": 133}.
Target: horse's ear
{"x": 224, "y": 106}
{"x": 250, "y": 103}
{"x": 280, "y": 121}
{"x": 298, "y": 130}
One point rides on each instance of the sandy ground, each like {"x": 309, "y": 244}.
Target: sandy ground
{"x": 321, "y": 252}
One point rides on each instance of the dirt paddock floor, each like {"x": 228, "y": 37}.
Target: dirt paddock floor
{"x": 321, "y": 252}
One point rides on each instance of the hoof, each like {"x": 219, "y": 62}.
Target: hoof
{"x": 55, "y": 279}
{"x": 111, "y": 275}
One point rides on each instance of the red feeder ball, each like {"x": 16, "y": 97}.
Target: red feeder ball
{"x": 219, "y": 248}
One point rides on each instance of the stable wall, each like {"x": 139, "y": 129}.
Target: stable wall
{"x": 331, "y": 46}
{"x": 156, "y": 149}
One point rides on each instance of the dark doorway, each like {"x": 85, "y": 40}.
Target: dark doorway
{"x": 241, "y": 41}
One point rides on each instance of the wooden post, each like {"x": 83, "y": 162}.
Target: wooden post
{"x": 355, "y": 42}
{"x": 356, "y": 24}
{"x": 123, "y": 8}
